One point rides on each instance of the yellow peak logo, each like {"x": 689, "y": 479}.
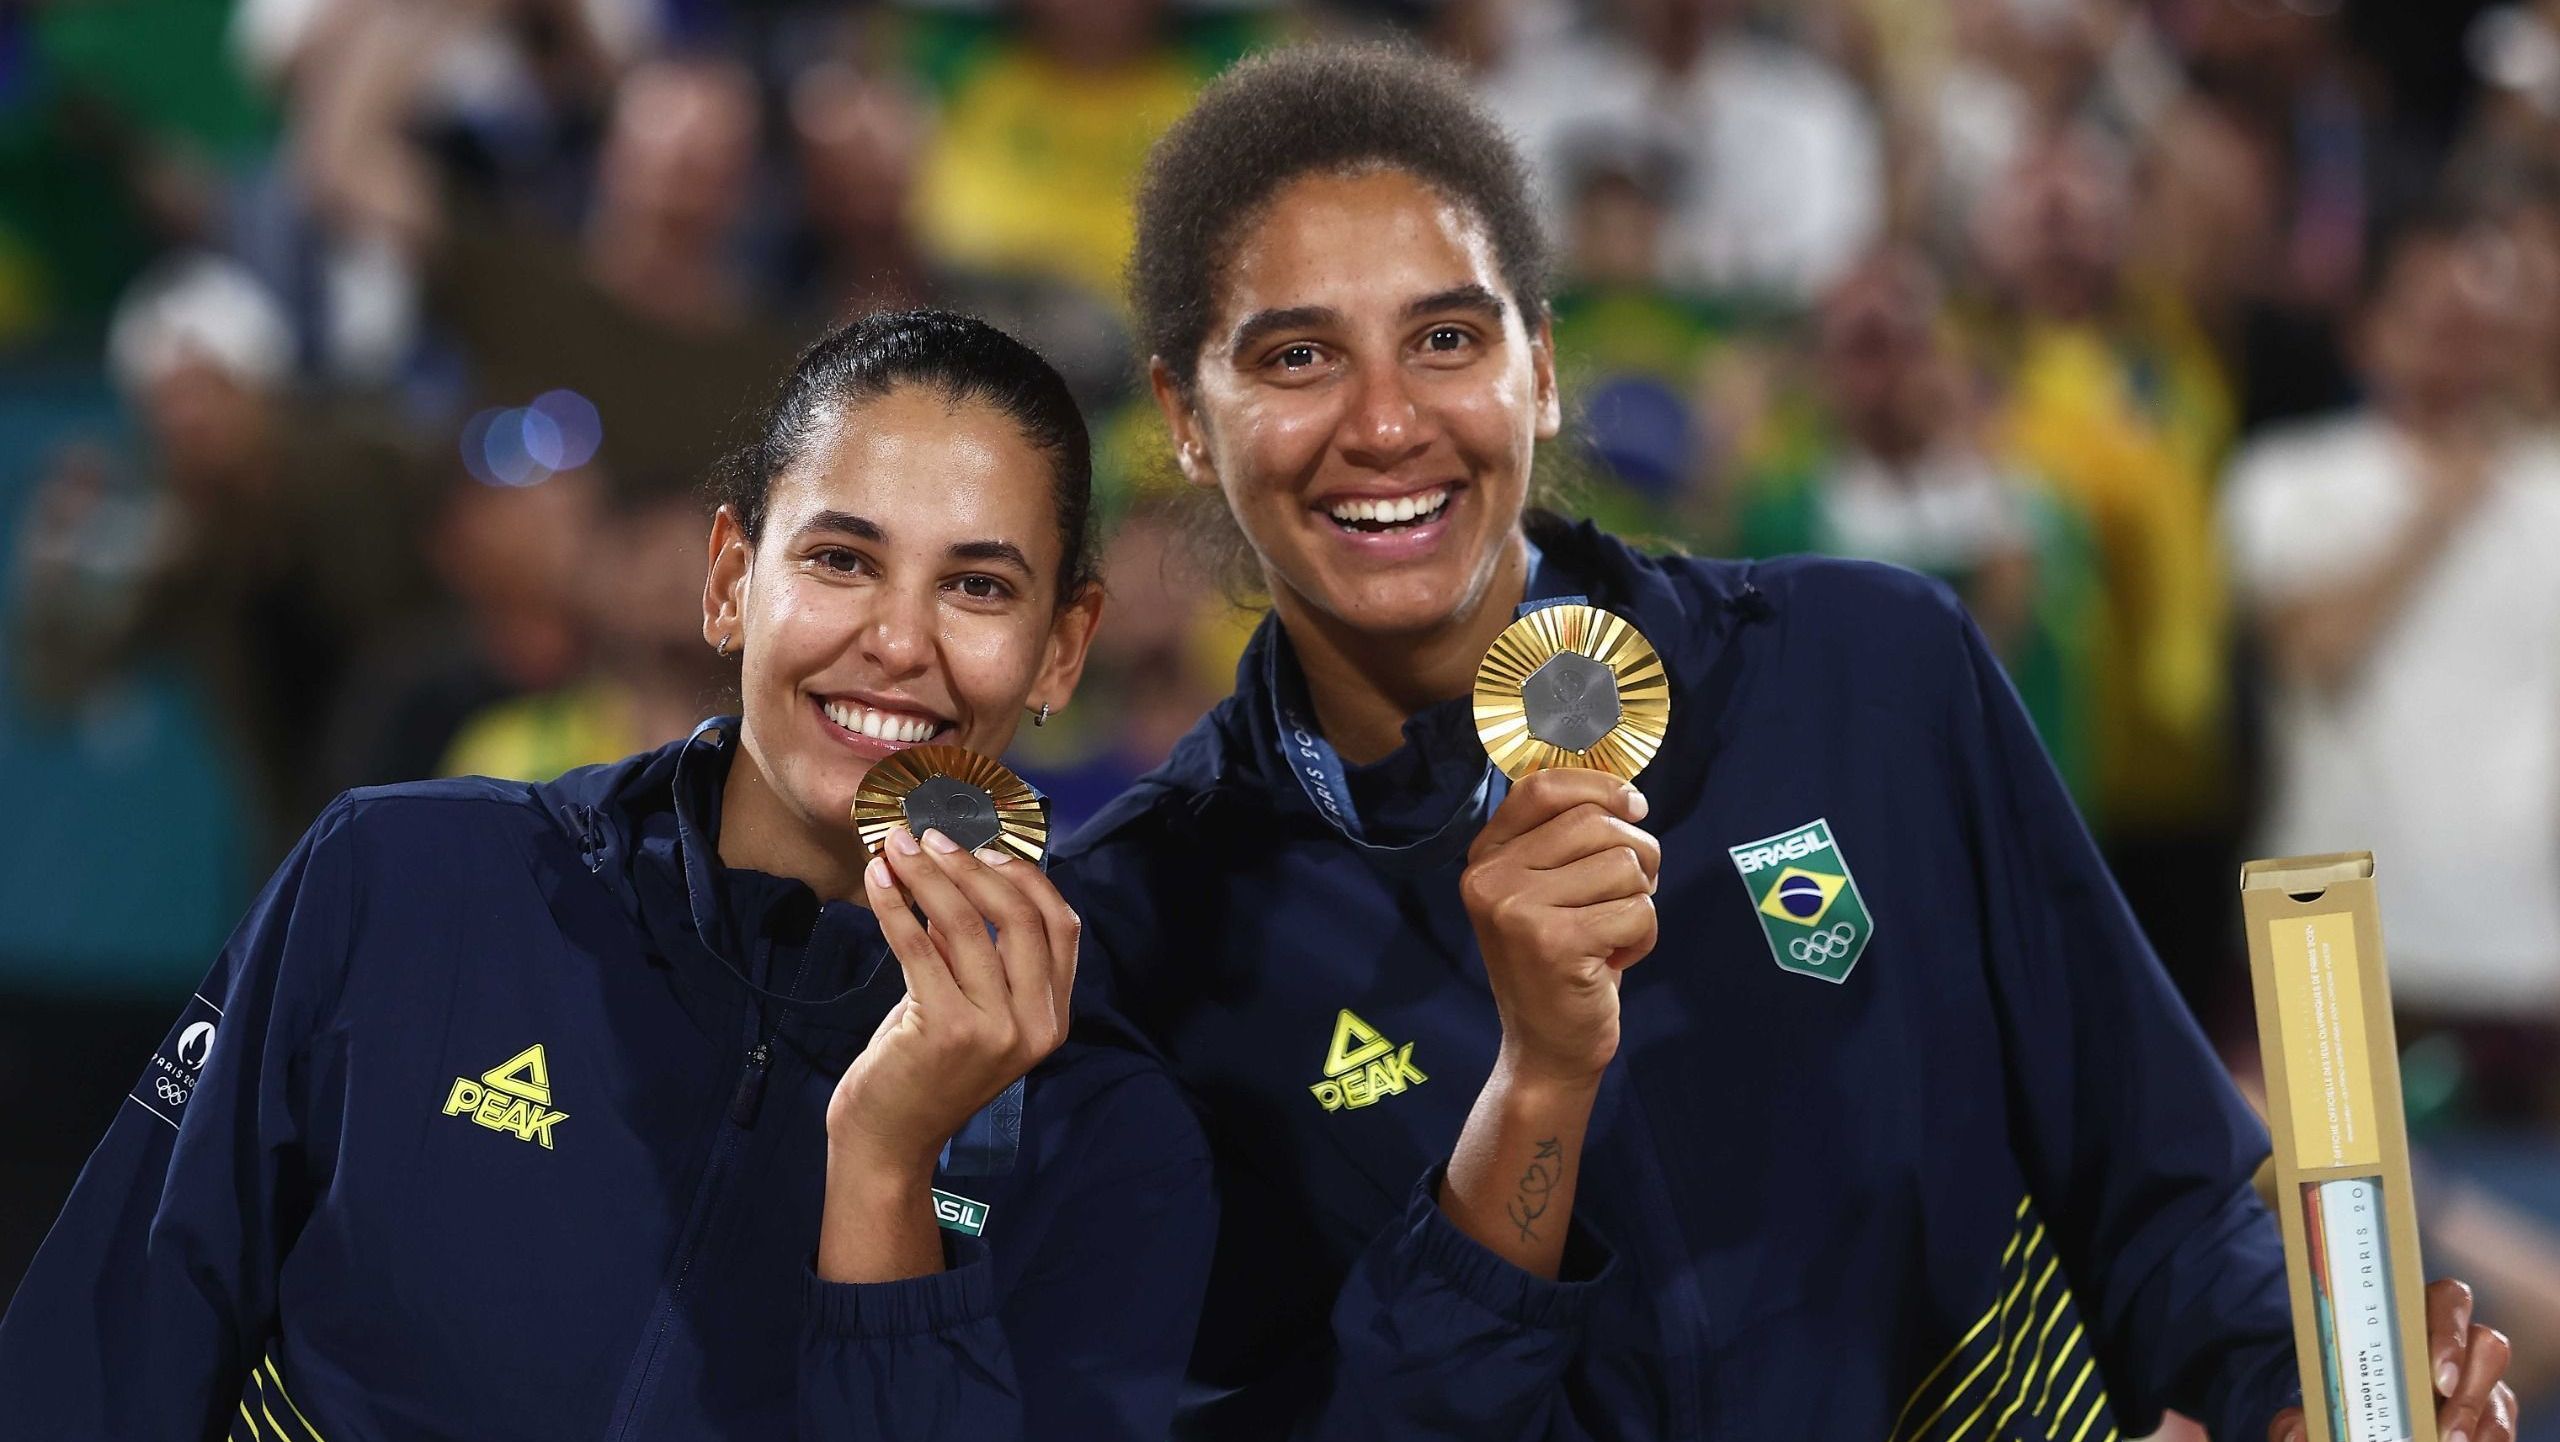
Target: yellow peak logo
{"x": 1361, "y": 1067}
{"x": 513, "y": 1097}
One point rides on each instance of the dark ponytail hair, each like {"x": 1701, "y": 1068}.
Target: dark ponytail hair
{"x": 961, "y": 357}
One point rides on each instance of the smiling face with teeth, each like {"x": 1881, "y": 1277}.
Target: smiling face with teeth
{"x": 1369, "y": 399}
{"x": 904, "y": 589}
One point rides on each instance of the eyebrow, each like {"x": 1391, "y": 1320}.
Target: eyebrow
{"x": 1262, "y": 324}
{"x": 1468, "y": 297}
{"x": 1005, "y": 552}
{"x": 865, "y": 529}
{"x": 859, "y": 527}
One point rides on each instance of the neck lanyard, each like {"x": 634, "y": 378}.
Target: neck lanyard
{"x": 1318, "y": 767}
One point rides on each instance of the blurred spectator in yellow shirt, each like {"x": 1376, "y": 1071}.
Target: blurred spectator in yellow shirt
{"x": 2109, "y": 389}
{"x": 1044, "y": 127}
{"x": 1905, "y": 471}
{"x": 649, "y": 678}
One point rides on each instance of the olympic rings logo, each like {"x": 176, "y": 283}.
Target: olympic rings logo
{"x": 172, "y": 1092}
{"x": 1823, "y": 946}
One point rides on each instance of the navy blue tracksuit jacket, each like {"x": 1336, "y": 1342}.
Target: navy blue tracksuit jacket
{"x": 502, "y": 1116}
{"x": 1965, "y": 1171}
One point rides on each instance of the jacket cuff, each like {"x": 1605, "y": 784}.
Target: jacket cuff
{"x": 2275, "y": 1384}
{"x": 962, "y": 1292}
{"x": 1483, "y": 1276}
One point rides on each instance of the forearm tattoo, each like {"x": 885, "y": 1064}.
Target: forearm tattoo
{"x": 1537, "y": 1188}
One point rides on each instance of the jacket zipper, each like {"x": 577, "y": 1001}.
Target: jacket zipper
{"x": 749, "y": 1098}
{"x": 745, "y": 1103}
{"x": 706, "y": 1197}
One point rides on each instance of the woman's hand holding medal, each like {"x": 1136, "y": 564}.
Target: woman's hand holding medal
{"x": 988, "y": 948}
{"x": 1560, "y": 889}
{"x": 1571, "y": 703}
{"x": 990, "y": 968}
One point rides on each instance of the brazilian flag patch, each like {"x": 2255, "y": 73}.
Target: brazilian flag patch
{"x": 1807, "y": 901}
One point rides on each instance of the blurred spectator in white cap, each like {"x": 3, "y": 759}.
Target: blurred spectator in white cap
{"x": 2514, "y": 51}
{"x": 202, "y": 350}
{"x": 1784, "y": 163}
{"x": 273, "y": 542}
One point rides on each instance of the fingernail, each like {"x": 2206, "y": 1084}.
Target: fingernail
{"x": 2457, "y": 1435}
{"x": 992, "y": 855}
{"x": 903, "y": 839}
{"x": 934, "y": 838}
{"x": 2447, "y": 1377}
{"x": 1637, "y": 806}
{"x": 877, "y": 873}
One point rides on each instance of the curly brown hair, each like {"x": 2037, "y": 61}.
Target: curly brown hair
{"x": 1309, "y": 109}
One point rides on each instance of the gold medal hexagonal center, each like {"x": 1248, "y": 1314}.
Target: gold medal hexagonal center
{"x": 1572, "y": 701}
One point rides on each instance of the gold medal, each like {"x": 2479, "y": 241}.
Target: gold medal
{"x": 1572, "y": 685}
{"x": 967, "y": 797}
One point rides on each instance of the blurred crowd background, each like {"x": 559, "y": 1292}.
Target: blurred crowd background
{"x": 361, "y": 361}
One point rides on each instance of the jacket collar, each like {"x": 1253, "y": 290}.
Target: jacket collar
{"x": 649, "y": 829}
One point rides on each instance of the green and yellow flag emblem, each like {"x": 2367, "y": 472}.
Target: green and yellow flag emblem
{"x": 1809, "y": 906}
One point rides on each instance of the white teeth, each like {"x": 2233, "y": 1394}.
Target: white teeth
{"x": 1392, "y": 513}
{"x": 880, "y": 725}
